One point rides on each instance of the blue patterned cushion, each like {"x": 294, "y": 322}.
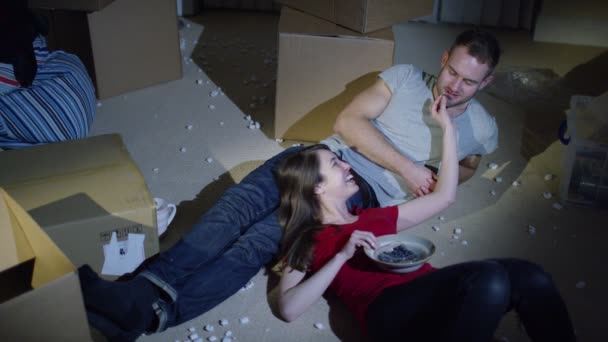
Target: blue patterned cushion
{"x": 59, "y": 105}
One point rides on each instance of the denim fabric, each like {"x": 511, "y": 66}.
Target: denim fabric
{"x": 465, "y": 302}
{"x": 226, "y": 248}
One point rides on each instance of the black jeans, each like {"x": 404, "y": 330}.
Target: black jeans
{"x": 465, "y": 302}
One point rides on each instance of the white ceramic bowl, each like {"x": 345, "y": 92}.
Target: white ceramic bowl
{"x": 423, "y": 248}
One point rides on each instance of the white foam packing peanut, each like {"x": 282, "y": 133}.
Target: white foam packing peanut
{"x": 516, "y": 183}
{"x": 548, "y": 177}
{"x": 435, "y": 228}
{"x": 182, "y": 149}
{"x": 212, "y": 338}
{"x": 224, "y": 322}
{"x": 209, "y": 327}
{"x": 209, "y": 160}
{"x": 493, "y": 166}
{"x": 247, "y": 286}
{"x": 441, "y": 218}
{"x": 188, "y": 127}
{"x": 547, "y": 195}
{"x": 457, "y": 231}
{"x": 212, "y": 107}
{"x": 244, "y": 320}
{"x": 228, "y": 333}
{"x": 214, "y": 93}
{"x": 498, "y": 179}
{"x": 493, "y": 192}
{"x": 193, "y": 337}
{"x": 465, "y": 242}
{"x": 319, "y": 326}
{"x": 192, "y": 329}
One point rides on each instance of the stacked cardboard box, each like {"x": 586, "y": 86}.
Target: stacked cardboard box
{"x": 125, "y": 44}
{"x": 81, "y": 192}
{"x": 327, "y": 55}
{"x": 363, "y": 15}
{"x": 321, "y": 67}
{"x": 40, "y": 297}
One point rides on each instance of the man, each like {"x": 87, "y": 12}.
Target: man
{"x": 390, "y": 134}
{"x": 389, "y": 125}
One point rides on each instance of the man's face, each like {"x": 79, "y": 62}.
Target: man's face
{"x": 460, "y": 78}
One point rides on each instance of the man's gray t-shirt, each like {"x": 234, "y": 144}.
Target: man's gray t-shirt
{"x": 407, "y": 125}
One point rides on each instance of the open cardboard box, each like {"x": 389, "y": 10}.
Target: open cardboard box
{"x": 40, "y": 298}
{"x": 321, "y": 67}
{"x": 125, "y": 44}
{"x": 82, "y": 191}
{"x": 364, "y": 15}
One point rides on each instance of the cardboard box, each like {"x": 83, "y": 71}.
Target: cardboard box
{"x": 583, "y": 22}
{"x": 126, "y": 45}
{"x": 321, "y": 67}
{"x": 40, "y": 298}
{"x": 80, "y": 192}
{"x": 364, "y": 15}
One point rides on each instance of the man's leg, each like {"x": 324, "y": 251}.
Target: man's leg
{"x": 240, "y": 207}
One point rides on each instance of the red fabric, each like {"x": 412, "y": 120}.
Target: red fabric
{"x": 360, "y": 281}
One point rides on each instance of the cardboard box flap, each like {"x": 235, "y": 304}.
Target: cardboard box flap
{"x": 72, "y": 159}
{"x": 50, "y": 262}
{"x": 80, "y": 5}
{"x": 297, "y": 22}
{"x": 15, "y": 248}
{"x": 85, "y": 165}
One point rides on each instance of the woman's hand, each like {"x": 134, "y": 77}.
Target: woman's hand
{"x": 440, "y": 114}
{"x": 357, "y": 239}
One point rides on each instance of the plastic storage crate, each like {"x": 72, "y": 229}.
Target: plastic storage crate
{"x": 584, "y": 178}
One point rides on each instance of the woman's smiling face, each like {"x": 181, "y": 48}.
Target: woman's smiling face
{"x": 338, "y": 182}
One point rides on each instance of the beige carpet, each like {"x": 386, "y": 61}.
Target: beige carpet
{"x": 231, "y": 47}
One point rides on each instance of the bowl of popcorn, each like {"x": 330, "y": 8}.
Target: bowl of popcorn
{"x": 401, "y": 253}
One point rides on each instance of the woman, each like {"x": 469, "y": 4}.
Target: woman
{"x": 462, "y": 302}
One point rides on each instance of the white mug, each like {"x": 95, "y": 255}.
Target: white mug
{"x": 165, "y": 212}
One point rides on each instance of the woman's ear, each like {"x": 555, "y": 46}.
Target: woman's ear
{"x": 319, "y": 189}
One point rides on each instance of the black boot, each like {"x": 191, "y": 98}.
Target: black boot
{"x": 127, "y": 305}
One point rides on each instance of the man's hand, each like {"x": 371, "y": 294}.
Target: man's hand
{"x": 420, "y": 180}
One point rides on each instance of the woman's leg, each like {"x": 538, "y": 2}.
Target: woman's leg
{"x": 536, "y": 299}
{"x": 463, "y": 302}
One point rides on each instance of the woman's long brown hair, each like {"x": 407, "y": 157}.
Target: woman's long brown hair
{"x": 299, "y": 210}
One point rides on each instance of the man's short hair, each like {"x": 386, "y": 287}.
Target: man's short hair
{"x": 480, "y": 44}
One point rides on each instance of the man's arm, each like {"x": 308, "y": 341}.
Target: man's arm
{"x": 467, "y": 167}
{"x": 354, "y": 126}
